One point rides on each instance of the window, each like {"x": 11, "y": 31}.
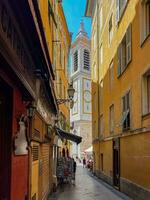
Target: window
{"x": 145, "y": 30}
{"x": 120, "y": 7}
{"x": 125, "y": 122}
{"x": 110, "y": 29}
{"x": 124, "y": 52}
{"x": 101, "y": 54}
{"x": 75, "y": 58}
{"x": 111, "y": 119}
{"x": 101, "y": 19}
{"x": 86, "y": 59}
{"x": 146, "y": 92}
{"x": 111, "y": 75}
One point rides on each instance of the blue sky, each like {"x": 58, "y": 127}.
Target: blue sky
{"x": 74, "y": 11}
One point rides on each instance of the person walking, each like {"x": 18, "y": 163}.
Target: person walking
{"x": 74, "y": 170}
{"x": 84, "y": 162}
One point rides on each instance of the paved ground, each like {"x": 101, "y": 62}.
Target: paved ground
{"x": 87, "y": 187}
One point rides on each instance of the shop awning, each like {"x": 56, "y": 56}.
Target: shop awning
{"x": 68, "y": 136}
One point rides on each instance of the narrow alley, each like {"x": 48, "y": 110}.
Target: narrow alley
{"x": 87, "y": 187}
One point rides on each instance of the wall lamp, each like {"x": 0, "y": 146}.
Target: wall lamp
{"x": 71, "y": 92}
{"x": 31, "y": 110}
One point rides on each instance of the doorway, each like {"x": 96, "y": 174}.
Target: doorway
{"x": 116, "y": 162}
{"x": 5, "y": 139}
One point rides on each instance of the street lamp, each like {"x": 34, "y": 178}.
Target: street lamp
{"x": 71, "y": 92}
{"x": 31, "y": 110}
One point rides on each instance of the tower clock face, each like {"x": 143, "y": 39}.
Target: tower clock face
{"x": 87, "y": 96}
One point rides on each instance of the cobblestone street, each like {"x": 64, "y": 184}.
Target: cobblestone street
{"x": 87, "y": 187}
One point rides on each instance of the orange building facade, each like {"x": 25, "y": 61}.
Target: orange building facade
{"x": 120, "y": 88}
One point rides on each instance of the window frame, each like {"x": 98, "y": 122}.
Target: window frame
{"x": 145, "y": 21}
{"x": 126, "y": 112}
{"x": 146, "y": 93}
{"x": 120, "y": 10}
{"x": 126, "y": 45}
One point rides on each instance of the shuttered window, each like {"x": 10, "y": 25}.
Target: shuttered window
{"x": 146, "y": 92}
{"x": 125, "y": 122}
{"x": 120, "y": 7}
{"x": 125, "y": 51}
{"x": 45, "y": 170}
{"x": 35, "y": 153}
{"x": 75, "y": 60}
{"x": 145, "y": 19}
{"x": 86, "y": 59}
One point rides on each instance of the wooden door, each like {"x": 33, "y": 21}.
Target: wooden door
{"x": 5, "y": 140}
{"x": 116, "y": 162}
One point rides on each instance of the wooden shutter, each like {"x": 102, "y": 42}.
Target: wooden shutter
{"x": 117, "y": 11}
{"x": 35, "y": 152}
{"x": 128, "y": 45}
{"x": 35, "y": 171}
{"x": 45, "y": 168}
{"x": 119, "y": 60}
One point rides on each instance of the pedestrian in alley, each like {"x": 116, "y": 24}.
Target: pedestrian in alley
{"x": 74, "y": 170}
{"x": 84, "y": 162}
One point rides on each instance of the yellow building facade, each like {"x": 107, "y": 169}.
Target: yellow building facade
{"x": 44, "y": 150}
{"x": 62, "y": 45}
{"x": 121, "y": 89}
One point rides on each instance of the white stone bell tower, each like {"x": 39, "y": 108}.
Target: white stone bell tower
{"x": 80, "y": 115}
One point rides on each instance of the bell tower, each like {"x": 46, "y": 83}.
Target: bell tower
{"x": 80, "y": 115}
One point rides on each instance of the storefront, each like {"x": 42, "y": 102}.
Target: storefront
{"x": 19, "y": 88}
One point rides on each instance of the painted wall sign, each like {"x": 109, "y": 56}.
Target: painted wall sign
{"x": 21, "y": 141}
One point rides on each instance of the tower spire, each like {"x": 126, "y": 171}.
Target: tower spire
{"x": 81, "y": 29}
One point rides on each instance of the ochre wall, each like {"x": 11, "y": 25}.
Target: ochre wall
{"x": 135, "y": 159}
{"x": 134, "y": 148}
{"x": 96, "y": 156}
{"x": 106, "y": 149}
